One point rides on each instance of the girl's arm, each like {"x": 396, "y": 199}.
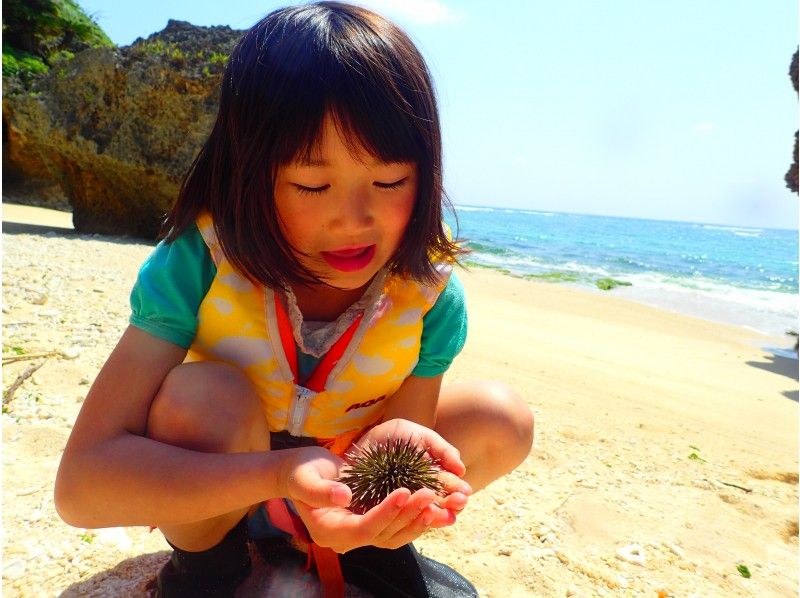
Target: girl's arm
{"x": 415, "y": 400}
{"x": 112, "y": 475}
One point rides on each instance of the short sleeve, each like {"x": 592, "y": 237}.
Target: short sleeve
{"x": 171, "y": 284}
{"x": 444, "y": 331}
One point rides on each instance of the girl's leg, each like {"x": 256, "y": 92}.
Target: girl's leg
{"x": 489, "y": 424}
{"x": 209, "y": 407}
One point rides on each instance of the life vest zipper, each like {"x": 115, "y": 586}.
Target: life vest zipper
{"x": 299, "y": 410}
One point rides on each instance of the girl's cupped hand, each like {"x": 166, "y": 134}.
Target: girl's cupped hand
{"x": 445, "y": 454}
{"x": 399, "y": 519}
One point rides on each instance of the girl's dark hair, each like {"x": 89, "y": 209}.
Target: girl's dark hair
{"x": 284, "y": 76}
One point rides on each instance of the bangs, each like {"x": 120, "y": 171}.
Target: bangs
{"x": 378, "y": 133}
{"x": 318, "y": 63}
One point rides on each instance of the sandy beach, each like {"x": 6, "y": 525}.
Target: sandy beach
{"x": 665, "y": 456}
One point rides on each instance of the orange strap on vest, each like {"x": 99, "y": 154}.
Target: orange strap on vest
{"x": 325, "y": 559}
{"x": 319, "y": 377}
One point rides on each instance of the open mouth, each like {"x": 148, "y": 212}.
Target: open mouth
{"x": 351, "y": 259}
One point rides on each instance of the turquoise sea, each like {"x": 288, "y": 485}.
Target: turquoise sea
{"x": 740, "y": 275}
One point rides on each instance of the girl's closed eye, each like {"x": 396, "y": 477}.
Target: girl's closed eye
{"x": 317, "y": 190}
{"x": 311, "y": 190}
{"x": 392, "y": 185}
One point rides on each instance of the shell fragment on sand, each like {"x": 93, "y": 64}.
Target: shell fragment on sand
{"x": 632, "y": 553}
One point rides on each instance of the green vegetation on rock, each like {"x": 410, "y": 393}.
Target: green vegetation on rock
{"x": 606, "y": 284}
{"x": 39, "y": 33}
{"x": 17, "y": 63}
{"x": 218, "y": 58}
{"x": 212, "y": 62}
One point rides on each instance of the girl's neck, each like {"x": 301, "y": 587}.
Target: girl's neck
{"x": 320, "y": 303}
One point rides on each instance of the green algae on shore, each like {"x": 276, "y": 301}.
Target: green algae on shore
{"x": 553, "y": 277}
{"x": 501, "y": 270}
{"x": 606, "y": 284}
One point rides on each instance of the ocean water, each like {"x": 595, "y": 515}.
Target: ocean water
{"x": 738, "y": 275}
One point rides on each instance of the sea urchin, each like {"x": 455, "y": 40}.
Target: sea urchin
{"x": 375, "y": 471}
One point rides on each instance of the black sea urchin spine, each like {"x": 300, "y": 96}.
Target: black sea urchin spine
{"x": 375, "y": 471}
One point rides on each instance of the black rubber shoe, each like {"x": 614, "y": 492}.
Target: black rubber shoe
{"x": 403, "y": 573}
{"x": 212, "y": 573}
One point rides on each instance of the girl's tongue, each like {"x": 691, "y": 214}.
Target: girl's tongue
{"x": 351, "y": 259}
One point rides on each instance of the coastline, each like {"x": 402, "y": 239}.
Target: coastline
{"x": 730, "y": 274}
{"x": 657, "y": 434}
{"x": 678, "y": 300}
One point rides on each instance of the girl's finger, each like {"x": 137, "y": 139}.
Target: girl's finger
{"x": 411, "y": 512}
{"x": 441, "y": 518}
{"x": 340, "y": 494}
{"x": 448, "y": 456}
{"x": 450, "y": 460}
{"x": 453, "y": 502}
{"x": 407, "y": 534}
{"x": 381, "y": 516}
{"x": 431, "y": 517}
{"x": 453, "y": 483}
{"x": 318, "y": 492}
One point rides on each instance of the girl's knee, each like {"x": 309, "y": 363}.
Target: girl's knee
{"x": 205, "y": 406}
{"x": 508, "y": 416}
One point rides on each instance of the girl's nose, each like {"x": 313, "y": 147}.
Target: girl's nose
{"x": 353, "y": 213}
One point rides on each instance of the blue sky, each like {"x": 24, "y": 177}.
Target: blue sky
{"x": 674, "y": 110}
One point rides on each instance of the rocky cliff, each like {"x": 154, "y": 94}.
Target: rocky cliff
{"x": 791, "y": 174}
{"x": 116, "y": 128}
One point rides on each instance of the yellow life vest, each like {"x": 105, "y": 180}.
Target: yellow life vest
{"x": 238, "y": 323}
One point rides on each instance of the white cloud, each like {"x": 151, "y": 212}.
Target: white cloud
{"x": 703, "y": 128}
{"x": 424, "y": 12}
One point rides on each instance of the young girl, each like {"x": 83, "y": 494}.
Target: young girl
{"x": 302, "y": 301}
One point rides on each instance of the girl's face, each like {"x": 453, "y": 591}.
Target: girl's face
{"x": 343, "y": 214}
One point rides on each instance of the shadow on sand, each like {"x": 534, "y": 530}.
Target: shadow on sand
{"x": 25, "y": 228}
{"x": 783, "y": 362}
{"x": 778, "y": 364}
